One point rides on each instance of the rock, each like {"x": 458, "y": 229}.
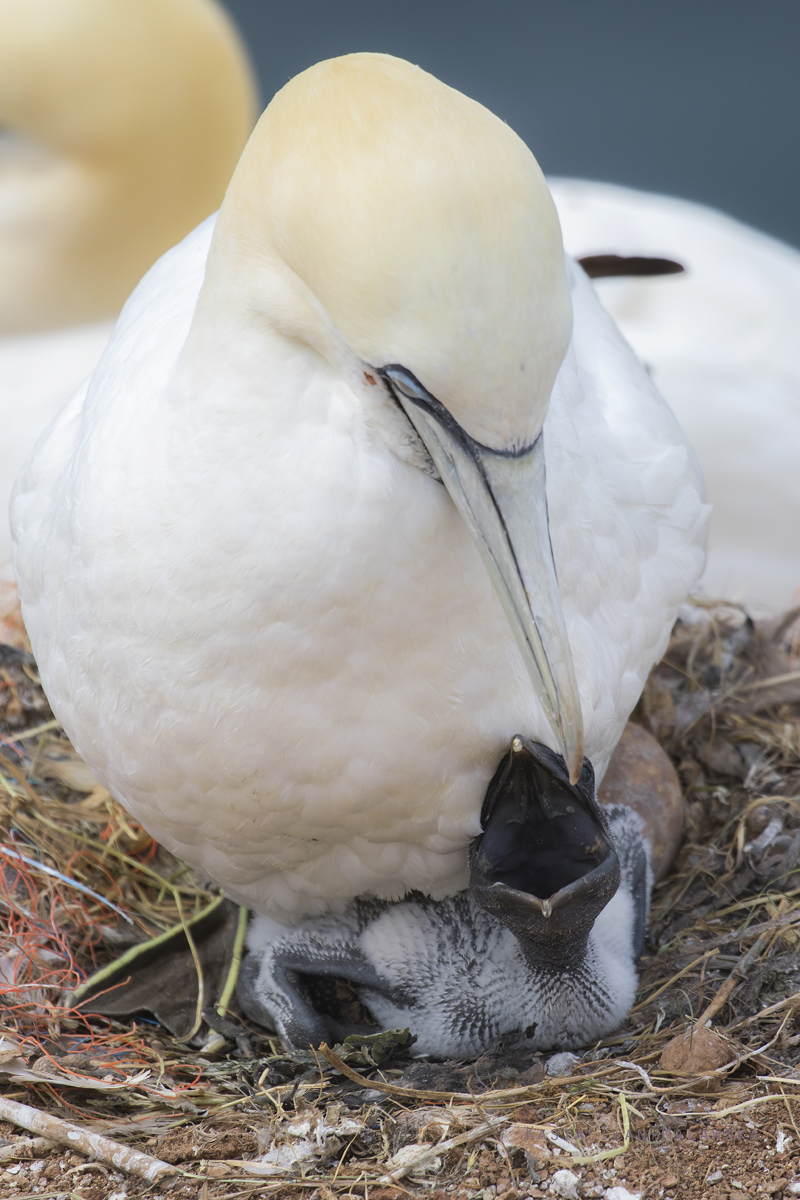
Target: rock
{"x": 697, "y": 1051}
{"x": 641, "y": 776}
{"x": 528, "y": 1138}
{"x": 621, "y": 1193}
{"x": 565, "y": 1184}
{"x": 561, "y": 1064}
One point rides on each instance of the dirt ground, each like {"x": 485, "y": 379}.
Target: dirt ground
{"x": 685, "y": 1158}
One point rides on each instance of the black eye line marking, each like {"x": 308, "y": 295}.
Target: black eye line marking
{"x": 395, "y": 376}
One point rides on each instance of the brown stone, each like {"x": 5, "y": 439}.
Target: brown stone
{"x": 526, "y": 1137}
{"x": 696, "y": 1051}
{"x": 641, "y": 776}
{"x": 670, "y": 1181}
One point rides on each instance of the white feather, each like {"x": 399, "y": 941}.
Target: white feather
{"x": 38, "y": 373}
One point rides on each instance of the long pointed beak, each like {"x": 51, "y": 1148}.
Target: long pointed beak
{"x": 502, "y": 499}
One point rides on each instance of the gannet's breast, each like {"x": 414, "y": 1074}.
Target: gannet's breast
{"x": 275, "y": 642}
{"x": 38, "y": 373}
{"x": 721, "y": 341}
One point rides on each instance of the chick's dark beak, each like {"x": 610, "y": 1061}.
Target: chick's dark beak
{"x": 545, "y": 864}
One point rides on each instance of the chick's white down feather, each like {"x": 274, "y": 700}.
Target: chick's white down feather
{"x": 455, "y": 975}
{"x": 273, "y": 639}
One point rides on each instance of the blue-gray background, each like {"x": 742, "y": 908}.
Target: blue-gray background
{"x": 696, "y": 98}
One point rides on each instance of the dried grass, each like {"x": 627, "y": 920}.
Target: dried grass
{"x": 80, "y": 880}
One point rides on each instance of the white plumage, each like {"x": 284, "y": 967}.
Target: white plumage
{"x": 721, "y": 341}
{"x": 38, "y": 374}
{"x": 263, "y": 626}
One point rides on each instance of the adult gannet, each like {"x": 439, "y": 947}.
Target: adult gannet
{"x": 120, "y": 124}
{"x": 722, "y": 344}
{"x": 273, "y": 634}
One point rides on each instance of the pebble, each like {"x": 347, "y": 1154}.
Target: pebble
{"x": 565, "y": 1184}
{"x": 697, "y": 1051}
{"x": 561, "y": 1064}
{"x": 621, "y": 1193}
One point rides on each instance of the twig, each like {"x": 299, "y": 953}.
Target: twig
{"x": 674, "y": 978}
{"x": 34, "y": 1147}
{"x": 788, "y": 1002}
{"x": 792, "y": 917}
{"x": 30, "y": 733}
{"x": 490, "y": 1096}
{"x": 236, "y": 962}
{"x": 93, "y": 1145}
{"x": 737, "y": 974}
{"x": 5, "y": 765}
{"x": 774, "y": 681}
{"x": 198, "y": 966}
{"x": 635, "y": 1067}
{"x": 390, "y": 1088}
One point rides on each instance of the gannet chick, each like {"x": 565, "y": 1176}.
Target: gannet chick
{"x": 121, "y": 122}
{"x": 721, "y": 342}
{"x": 365, "y": 481}
{"x": 546, "y": 939}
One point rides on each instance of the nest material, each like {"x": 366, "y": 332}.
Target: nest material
{"x": 80, "y": 881}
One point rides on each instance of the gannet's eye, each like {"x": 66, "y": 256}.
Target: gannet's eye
{"x": 403, "y": 381}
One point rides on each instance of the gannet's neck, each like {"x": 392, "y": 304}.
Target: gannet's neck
{"x": 123, "y": 120}
{"x": 262, "y": 354}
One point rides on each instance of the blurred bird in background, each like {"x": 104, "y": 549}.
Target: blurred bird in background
{"x": 720, "y": 339}
{"x": 120, "y": 124}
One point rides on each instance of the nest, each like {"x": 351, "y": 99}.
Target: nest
{"x": 710, "y": 1053}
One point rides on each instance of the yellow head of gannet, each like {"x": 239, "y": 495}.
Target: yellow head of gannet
{"x": 122, "y": 121}
{"x": 414, "y": 217}
{"x": 402, "y": 219}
